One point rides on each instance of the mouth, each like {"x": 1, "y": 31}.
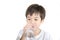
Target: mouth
{"x": 32, "y": 26}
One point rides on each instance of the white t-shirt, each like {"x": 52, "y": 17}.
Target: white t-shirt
{"x": 41, "y": 36}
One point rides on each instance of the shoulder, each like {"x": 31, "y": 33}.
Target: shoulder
{"x": 47, "y": 36}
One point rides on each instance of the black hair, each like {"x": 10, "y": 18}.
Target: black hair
{"x": 35, "y": 8}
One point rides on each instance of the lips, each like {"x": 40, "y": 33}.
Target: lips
{"x": 32, "y": 26}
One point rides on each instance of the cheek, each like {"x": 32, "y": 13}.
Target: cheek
{"x": 38, "y": 24}
{"x": 28, "y": 21}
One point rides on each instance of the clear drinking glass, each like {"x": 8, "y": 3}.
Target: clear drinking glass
{"x": 29, "y": 35}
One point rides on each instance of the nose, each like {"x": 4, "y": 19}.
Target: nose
{"x": 32, "y": 22}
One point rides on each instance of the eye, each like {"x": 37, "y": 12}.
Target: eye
{"x": 29, "y": 19}
{"x": 35, "y": 19}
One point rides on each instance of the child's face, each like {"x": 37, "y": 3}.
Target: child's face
{"x": 34, "y": 20}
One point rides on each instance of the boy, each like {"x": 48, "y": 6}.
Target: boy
{"x": 35, "y": 15}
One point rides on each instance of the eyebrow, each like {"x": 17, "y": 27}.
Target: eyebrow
{"x": 36, "y": 17}
{"x": 28, "y": 17}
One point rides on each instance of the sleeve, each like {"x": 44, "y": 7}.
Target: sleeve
{"x": 19, "y": 35}
{"x": 48, "y": 36}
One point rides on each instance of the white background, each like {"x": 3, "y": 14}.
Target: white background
{"x": 12, "y": 17}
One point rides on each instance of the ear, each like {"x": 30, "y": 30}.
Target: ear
{"x": 42, "y": 21}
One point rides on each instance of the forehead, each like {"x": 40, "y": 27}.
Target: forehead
{"x": 33, "y": 15}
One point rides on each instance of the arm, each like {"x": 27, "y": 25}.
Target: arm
{"x": 19, "y": 35}
{"x": 23, "y": 37}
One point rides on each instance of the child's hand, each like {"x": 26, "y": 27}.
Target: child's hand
{"x": 27, "y": 26}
